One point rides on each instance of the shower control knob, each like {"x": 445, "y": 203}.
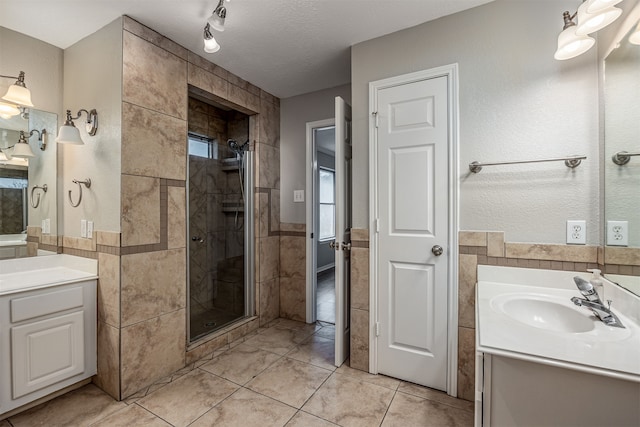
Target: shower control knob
{"x": 437, "y": 250}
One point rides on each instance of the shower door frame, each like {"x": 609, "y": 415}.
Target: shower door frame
{"x": 249, "y": 244}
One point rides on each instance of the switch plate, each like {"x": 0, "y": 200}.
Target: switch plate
{"x": 618, "y": 233}
{"x": 83, "y": 228}
{"x": 577, "y": 232}
{"x": 43, "y": 225}
{"x": 89, "y": 229}
{"x": 47, "y": 226}
{"x": 298, "y": 196}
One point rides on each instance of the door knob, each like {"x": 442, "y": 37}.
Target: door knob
{"x": 332, "y": 245}
{"x": 437, "y": 250}
{"x": 197, "y": 239}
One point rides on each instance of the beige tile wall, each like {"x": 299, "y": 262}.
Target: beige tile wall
{"x": 359, "y": 358}
{"x": 293, "y": 266}
{"x": 142, "y": 286}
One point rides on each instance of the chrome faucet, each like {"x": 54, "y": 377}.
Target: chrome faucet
{"x": 592, "y": 301}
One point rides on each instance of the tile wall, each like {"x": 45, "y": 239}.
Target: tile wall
{"x": 293, "y": 271}
{"x": 142, "y": 286}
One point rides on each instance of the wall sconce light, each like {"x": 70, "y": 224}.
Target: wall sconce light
{"x": 210, "y": 43}
{"x": 22, "y": 149}
{"x": 17, "y": 95}
{"x": 217, "y": 18}
{"x": 69, "y": 133}
{"x": 592, "y": 15}
{"x": 634, "y": 38}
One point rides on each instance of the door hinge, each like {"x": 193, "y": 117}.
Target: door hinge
{"x": 375, "y": 117}
{"x": 377, "y": 329}
{"x": 376, "y": 225}
{"x": 311, "y": 235}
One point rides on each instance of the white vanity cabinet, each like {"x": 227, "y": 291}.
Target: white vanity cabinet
{"x": 47, "y": 339}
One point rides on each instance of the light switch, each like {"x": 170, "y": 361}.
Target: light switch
{"x": 298, "y": 196}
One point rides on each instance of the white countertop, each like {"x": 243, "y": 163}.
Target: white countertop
{"x": 602, "y": 350}
{"x": 17, "y": 275}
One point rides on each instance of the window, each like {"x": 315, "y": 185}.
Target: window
{"x": 327, "y": 217}
{"x": 203, "y": 147}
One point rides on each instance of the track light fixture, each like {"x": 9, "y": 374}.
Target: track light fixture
{"x": 210, "y": 43}
{"x": 216, "y": 20}
{"x": 592, "y": 15}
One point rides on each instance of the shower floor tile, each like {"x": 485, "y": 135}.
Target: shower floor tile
{"x": 253, "y": 385}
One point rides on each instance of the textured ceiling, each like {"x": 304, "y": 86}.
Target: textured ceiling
{"x": 287, "y": 47}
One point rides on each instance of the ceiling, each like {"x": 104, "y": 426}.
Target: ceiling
{"x": 286, "y": 47}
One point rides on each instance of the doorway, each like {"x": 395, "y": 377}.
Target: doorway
{"x": 321, "y": 202}
{"x": 413, "y": 190}
{"x": 334, "y": 204}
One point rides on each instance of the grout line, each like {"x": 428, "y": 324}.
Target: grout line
{"x": 388, "y": 406}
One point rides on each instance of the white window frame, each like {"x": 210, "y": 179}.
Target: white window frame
{"x": 332, "y": 237}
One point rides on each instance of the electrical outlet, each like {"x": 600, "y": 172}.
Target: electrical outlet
{"x": 83, "y": 228}
{"x": 618, "y": 233}
{"x": 577, "y": 232}
{"x": 298, "y": 196}
{"x": 89, "y": 229}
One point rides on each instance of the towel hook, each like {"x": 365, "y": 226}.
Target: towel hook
{"x": 37, "y": 202}
{"x": 86, "y": 183}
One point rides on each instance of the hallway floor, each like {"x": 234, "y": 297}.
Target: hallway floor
{"x": 326, "y": 296}
{"x": 282, "y": 375}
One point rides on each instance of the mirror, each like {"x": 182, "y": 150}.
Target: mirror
{"x": 21, "y": 204}
{"x": 622, "y": 181}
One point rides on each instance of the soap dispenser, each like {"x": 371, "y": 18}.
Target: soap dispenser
{"x": 596, "y": 281}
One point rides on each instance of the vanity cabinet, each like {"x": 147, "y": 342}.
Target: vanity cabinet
{"x": 47, "y": 341}
{"x": 514, "y": 392}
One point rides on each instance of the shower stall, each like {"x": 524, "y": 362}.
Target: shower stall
{"x": 220, "y": 220}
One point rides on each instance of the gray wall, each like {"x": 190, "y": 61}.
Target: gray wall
{"x": 516, "y": 102}
{"x": 93, "y": 79}
{"x": 295, "y": 113}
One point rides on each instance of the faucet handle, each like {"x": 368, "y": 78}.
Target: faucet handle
{"x": 609, "y": 304}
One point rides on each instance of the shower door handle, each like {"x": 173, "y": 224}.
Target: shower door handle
{"x": 197, "y": 239}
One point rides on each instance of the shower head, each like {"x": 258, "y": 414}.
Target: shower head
{"x": 237, "y": 148}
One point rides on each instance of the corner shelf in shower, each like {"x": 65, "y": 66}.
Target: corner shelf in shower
{"x": 230, "y": 165}
{"x": 232, "y": 206}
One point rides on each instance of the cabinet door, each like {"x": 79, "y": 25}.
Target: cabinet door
{"x": 45, "y": 352}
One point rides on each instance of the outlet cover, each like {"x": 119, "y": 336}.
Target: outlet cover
{"x": 618, "y": 233}
{"x": 89, "y": 229}
{"x": 298, "y": 196}
{"x": 576, "y": 232}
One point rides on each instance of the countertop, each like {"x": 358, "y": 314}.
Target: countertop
{"x": 604, "y": 350}
{"x": 21, "y": 274}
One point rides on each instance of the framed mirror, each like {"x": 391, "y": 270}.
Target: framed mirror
{"x": 27, "y": 185}
{"x": 622, "y": 160}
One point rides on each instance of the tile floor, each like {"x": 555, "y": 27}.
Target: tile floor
{"x": 279, "y": 376}
{"x": 326, "y": 296}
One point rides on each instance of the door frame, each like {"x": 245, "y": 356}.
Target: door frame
{"x": 451, "y": 72}
{"x": 311, "y": 163}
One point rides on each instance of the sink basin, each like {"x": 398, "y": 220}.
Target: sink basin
{"x": 544, "y": 313}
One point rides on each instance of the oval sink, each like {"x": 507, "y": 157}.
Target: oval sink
{"x": 544, "y": 314}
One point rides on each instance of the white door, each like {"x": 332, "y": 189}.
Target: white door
{"x": 413, "y": 244}
{"x": 343, "y": 228}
